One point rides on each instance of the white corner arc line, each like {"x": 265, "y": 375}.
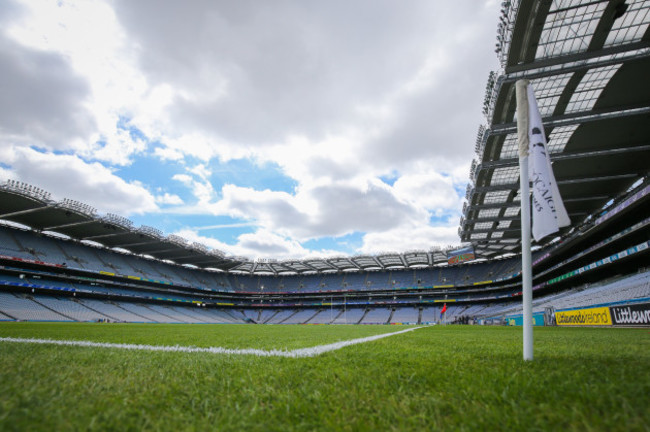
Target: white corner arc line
{"x": 297, "y": 353}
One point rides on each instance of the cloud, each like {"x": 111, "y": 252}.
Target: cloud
{"x": 344, "y": 209}
{"x": 265, "y": 243}
{"x": 250, "y": 76}
{"x": 409, "y": 238}
{"x": 119, "y": 148}
{"x": 167, "y": 153}
{"x": 269, "y": 209}
{"x": 169, "y": 199}
{"x": 42, "y": 99}
{"x": 431, "y": 191}
{"x": 333, "y": 95}
{"x": 259, "y": 244}
{"x": 373, "y": 209}
{"x": 201, "y": 189}
{"x": 338, "y": 210}
{"x": 77, "y": 55}
{"x": 201, "y": 171}
{"x": 68, "y": 176}
{"x": 183, "y": 178}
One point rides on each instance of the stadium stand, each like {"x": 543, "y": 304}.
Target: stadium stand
{"x": 376, "y": 316}
{"x": 401, "y": 278}
{"x": 62, "y": 261}
{"x": 23, "y": 308}
{"x": 176, "y": 314}
{"x": 281, "y": 316}
{"x": 146, "y": 313}
{"x": 267, "y": 315}
{"x": 431, "y": 315}
{"x": 251, "y": 314}
{"x": 114, "y": 311}
{"x": 408, "y": 315}
{"x": 620, "y": 290}
{"x": 69, "y": 308}
{"x": 301, "y": 316}
{"x": 341, "y": 316}
{"x": 355, "y": 281}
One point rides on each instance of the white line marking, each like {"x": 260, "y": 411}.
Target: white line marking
{"x": 297, "y": 353}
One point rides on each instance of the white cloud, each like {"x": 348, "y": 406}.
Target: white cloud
{"x": 193, "y": 144}
{"x": 68, "y": 176}
{"x": 409, "y": 238}
{"x": 381, "y": 213}
{"x": 431, "y": 191}
{"x": 103, "y": 86}
{"x": 337, "y": 210}
{"x": 168, "y": 153}
{"x": 117, "y": 149}
{"x": 169, "y": 199}
{"x": 259, "y": 244}
{"x": 201, "y": 171}
{"x": 201, "y": 189}
{"x": 183, "y": 178}
{"x": 267, "y": 244}
{"x": 269, "y": 209}
{"x": 42, "y": 99}
{"x": 244, "y": 77}
{"x": 335, "y": 94}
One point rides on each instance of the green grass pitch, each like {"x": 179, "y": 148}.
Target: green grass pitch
{"x": 434, "y": 378}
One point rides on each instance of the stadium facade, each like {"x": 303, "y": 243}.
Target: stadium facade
{"x": 588, "y": 62}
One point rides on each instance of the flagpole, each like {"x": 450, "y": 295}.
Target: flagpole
{"x": 526, "y": 262}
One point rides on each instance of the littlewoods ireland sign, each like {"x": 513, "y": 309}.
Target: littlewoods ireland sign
{"x": 629, "y": 315}
{"x": 581, "y": 317}
{"x": 638, "y": 314}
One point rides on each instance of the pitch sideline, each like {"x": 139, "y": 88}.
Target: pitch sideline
{"x": 296, "y": 353}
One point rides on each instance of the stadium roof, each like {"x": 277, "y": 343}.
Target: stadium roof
{"x": 589, "y": 63}
{"x": 33, "y": 207}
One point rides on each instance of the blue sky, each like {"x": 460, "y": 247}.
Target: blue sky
{"x": 298, "y": 130}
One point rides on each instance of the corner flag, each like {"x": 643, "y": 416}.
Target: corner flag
{"x": 548, "y": 212}
{"x": 444, "y": 309}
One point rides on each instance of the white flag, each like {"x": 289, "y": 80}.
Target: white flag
{"x": 548, "y": 212}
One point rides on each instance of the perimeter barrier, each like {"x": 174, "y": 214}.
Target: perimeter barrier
{"x": 636, "y": 314}
{"x": 623, "y": 314}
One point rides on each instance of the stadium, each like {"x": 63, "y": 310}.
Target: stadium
{"x": 67, "y": 270}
